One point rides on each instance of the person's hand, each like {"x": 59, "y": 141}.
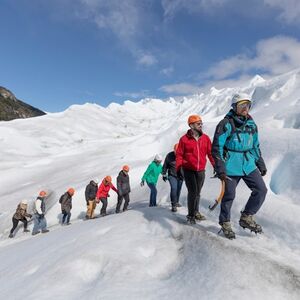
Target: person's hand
{"x": 180, "y": 174}
{"x": 142, "y": 183}
{"x": 42, "y": 216}
{"x": 222, "y": 176}
{"x": 263, "y": 172}
{"x": 30, "y": 215}
{"x": 108, "y": 195}
{"x": 165, "y": 178}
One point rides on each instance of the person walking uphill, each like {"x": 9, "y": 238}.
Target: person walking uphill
{"x": 102, "y": 193}
{"x": 20, "y": 215}
{"x": 40, "y": 222}
{"x": 169, "y": 173}
{"x": 237, "y": 155}
{"x": 191, "y": 154}
{"x": 90, "y": 198}
{"x": 151, "y": 176}
{"x": 123, "y": 187}
{"x": 66, "y": 206}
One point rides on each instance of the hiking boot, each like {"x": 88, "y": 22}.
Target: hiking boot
{"x": 178, "y": 205}
{"x": 11, "y": 235}
{"x": 34, "y": 233}
{"x": 247, "y": 221}
{"x": 227, "y": 230}
{"x": 191, "y": 220}
{"x": 45, "y": 231}
{"x": 199, "y": 216}
{"x": 174, "y": 209}
{"x": 26, "y": 230}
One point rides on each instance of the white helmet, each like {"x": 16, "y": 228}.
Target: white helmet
{"x": 24, "y": 202}
{"x": 158, "y": 157}
{"x": 240, "y": 97}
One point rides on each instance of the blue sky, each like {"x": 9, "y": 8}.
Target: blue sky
{"x": 57, "y": 53}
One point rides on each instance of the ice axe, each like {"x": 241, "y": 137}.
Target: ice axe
{"x": 219, "y": 199}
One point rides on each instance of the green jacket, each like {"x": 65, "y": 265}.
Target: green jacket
{"x": 152, "y": 173}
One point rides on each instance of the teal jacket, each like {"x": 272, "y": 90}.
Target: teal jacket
{"x": 152, "y": 173}
{"x": 235, "y": 146}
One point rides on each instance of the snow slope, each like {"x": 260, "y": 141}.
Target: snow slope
{"x": 149, "y": 253}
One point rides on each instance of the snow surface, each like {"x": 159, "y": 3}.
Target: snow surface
{"x": 149, "y": 253}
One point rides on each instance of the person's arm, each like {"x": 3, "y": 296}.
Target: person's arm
{"x": 259, "y": 161}
{"x": 179, "y": 155}
{"x": 114, "y": 188}
{"x": 222, "y": 132}
{"x": 209, "y": 155}
{"x": 87, "y": 193}
{"x": 165, "y": 165}
{"x": 149, "y": 169}
{"x": 99, "y": 191}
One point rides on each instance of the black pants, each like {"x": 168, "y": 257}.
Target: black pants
{"x": 194, "y": 181}
{"x": 66, "y": 216}
{"x": 104, "y": 206}
{"x": 120, "y": 200}
{"x": 16, "y": 222}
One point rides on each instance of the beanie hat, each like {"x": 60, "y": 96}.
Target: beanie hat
{"x": 24, "y": 202}
{"x": 125, "y": 168}
{"x": 158, "y": 158}
{"x": 42, "y": 194}
{"x": 108, "y": 178}
{"x": 71, "y": 191}
{"x": 175, "y": 147}
{"x": 193, "y": 119}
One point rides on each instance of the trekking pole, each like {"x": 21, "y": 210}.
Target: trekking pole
{"x": 219, "y": 199}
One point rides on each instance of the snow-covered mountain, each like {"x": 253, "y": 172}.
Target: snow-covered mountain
{"x": 149, "y": 253}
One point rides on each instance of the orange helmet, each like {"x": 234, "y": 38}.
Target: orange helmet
{"x": 71, "y": 191}
{"x": 42, "y": 194}
{"x": 125, "y": 168}
{"x": 108, "y": 178}
{"x": 193, "y": 119}
{"x": 175, "y": 147}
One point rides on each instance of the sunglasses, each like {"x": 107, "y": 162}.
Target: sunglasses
{"x": 244, "y": 105}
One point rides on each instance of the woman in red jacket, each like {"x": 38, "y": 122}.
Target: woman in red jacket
{"x": 191, "y": 154}
{"x": 102, "y": 193}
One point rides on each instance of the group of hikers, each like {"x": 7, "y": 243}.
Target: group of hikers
{"x": 234, "y": 155}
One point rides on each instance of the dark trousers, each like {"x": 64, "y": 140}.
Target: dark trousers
{"x": 175, "y": 185}
{"x": 153, "y": 194}
{"x": 120, "y": 200}
{"x": 16, "y": 222}
{"x": 194, "y": 181}
{"x": 66, "y": 216}
{"x": 104, "y": 206}
{"x": 255, "y": 183}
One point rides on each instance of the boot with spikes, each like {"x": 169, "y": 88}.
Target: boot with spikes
{"x": 227, "y": 230}
{"x": 247, "y": 221}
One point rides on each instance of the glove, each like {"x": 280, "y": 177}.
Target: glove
{"x": 180, "y": 174}
{"x": 41, "y": 216}
{"x": 30, "y": 215}
{"x": 222, "y": 176}
{"x": 165, "y": 178}
{"x": 142, "y": 183}
{"x": 263, "y": 172}
{"x": 108, "y": 195}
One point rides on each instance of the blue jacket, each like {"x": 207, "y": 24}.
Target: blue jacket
{"x": 235, "y": 146}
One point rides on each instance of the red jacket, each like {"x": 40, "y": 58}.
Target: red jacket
{"x": 104, "y": 189}
{"x": 191, "y": 154}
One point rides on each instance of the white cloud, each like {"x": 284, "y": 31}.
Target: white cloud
{"x": 181, "y": 89}
{"x": 147, "y": 60}
{"x": 289, "y": 9}
{"x": 167, "y": 71}
{"x": 274, "y": 56}
{"x": 134, "y": 95}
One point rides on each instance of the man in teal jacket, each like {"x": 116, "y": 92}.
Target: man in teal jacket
{"x": 237, "y": 156}
{"x": 151, "y": 177}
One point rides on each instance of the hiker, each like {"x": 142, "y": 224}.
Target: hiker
{"x": 40, "y": 222}
{"x": 237, "y": 156}
{"x": 123, "y": 187}
{"x": 102, "y": 193}
{"x": 191, "y": 155}
{"x": 66, "y": 206}
{"x": 90, "y": 198}
{"x": 20, "y": 215}
{"x": 151, "y": 177}
{"x": 169, "y": 173}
